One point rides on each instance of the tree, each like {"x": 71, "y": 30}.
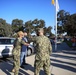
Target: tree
{"x": 41, "y": 23}
{"x": 5, "y": 28}
{"x": 1, "y": 29}
{"x": 62, "y": 18}
{"x": 35, "y": 24}
{"x": 28, "y": 27}
{"x": 38, "y": 24}
{"x": 2, "y": 21}
{"x": 8, "y": 30}
{"x": 66, "y": 23}
{"x": 47, "y": 31}
{"x": 70, "y": 25}
{"x": 16, "y": 25}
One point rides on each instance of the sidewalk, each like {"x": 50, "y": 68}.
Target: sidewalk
{"x": 63, "y": 61}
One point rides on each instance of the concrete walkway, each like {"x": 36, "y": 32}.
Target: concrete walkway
{"x": 63, "y": 62}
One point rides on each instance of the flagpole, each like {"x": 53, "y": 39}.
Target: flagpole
{"x": 55, "y": 26}
{"x": 56, "y": 4}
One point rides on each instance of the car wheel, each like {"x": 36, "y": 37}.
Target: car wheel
{"x": 29, "y": 52}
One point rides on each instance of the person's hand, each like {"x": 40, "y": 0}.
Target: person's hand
{"x": 27, "y": 44}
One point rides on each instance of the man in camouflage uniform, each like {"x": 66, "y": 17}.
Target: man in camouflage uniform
{"x": 43, "y": 51}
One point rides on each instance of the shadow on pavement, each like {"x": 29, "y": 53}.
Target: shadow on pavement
{"x": 21, "y": 72}
{"x": 42, "y": 73}
{"x": 73, "y": 52}
{"x": 59, "y": 61}
{"x": 64, "y": 56}
{"x": 62, "y": 63}
{"x": 7, "y": 65}
{"x": 29, "y": 67}
{"x": 3, "y": 60}
{"x": 64, "y": 67}
{"x": 6, "y": 68}
{"x": 64, "y": 52}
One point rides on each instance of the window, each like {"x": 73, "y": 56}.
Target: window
{"x": 6, "y": 41}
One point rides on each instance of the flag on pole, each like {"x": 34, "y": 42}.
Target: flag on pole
{"x": 55, "y": 3}
{"x": 57, "y": 6}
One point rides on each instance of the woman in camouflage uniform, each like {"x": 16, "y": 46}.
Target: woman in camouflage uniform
{"x": 16, "y": 51}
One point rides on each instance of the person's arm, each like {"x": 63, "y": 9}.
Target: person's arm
{"x": 32, "y": 39}
{"x": 24, "y": 43}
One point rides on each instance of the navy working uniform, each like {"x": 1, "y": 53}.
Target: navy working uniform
{"x": 16, "y": 54}
{"x": 43, "y": 50}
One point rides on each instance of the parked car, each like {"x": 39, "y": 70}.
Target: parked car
{"x": 6, "y": 47}
{"x": 30, "y": 49}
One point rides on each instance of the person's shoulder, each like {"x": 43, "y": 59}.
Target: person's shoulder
{"x": 19, "y": 39}
{"x": 46, "y": 37}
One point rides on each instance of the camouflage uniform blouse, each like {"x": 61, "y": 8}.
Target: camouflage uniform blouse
{"x": 17, "y": 46}
{"x": 43, "y": 47}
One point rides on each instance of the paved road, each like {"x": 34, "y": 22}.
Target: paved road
{"x": 63, "y": 62}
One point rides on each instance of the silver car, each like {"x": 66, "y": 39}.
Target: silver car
{"x": 6, "y": 47}
{"x": 30, "y": 49}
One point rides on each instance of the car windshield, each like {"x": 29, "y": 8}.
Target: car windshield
{"x": 6, "y": 41}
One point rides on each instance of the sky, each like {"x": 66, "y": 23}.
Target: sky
{"x": 31, "y": 9}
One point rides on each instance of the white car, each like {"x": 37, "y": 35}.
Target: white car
{"x": 6, "y": 47}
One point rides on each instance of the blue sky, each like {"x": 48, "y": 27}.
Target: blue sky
{"x": 32, "y": 9}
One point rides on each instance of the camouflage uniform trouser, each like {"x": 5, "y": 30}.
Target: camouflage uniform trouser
{"x": 16, "y": 64}
{"x": 45, "y": 64}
